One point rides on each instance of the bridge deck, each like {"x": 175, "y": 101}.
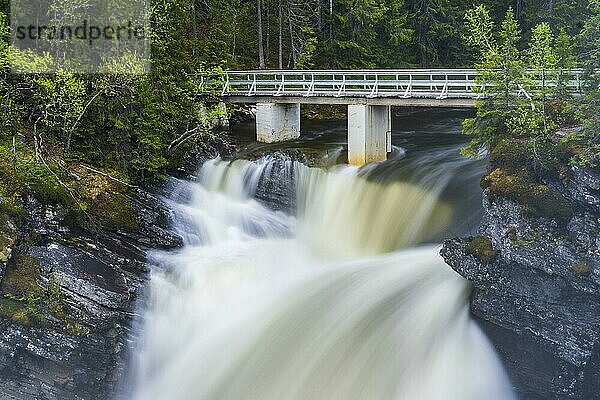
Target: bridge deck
{"x": 418, "y": 87}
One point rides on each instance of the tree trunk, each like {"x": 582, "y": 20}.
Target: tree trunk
{"x": 280, "y": 34}
{"x": 519, "y": 9}
{"x": 331, "y": 19}
{"x": 261, "y": 45}
{"x": 268, "y": 29}
{"x": 194, "y": 27}
{"x": 320, "y": 16}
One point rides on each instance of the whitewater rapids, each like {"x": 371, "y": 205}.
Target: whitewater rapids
{"x": 338, "y": 302}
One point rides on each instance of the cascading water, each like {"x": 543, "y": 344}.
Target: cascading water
{"x": 338, "y": 302}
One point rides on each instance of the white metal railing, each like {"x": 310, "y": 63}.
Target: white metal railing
{"x": 413, "y": 83}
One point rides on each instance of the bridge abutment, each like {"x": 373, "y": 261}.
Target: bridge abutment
{"x": 369, "y": 130}
{"x": 277, "y": 122}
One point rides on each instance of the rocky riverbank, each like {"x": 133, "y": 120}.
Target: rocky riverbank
{"x": 537, "y": 285}
{"x": 68, "y": 298}
{"x": 70, "y": 282}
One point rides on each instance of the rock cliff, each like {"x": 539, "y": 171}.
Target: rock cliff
{"x": 537, "y": 288}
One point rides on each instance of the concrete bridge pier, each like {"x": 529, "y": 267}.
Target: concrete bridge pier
{"x": 369, "y": 134}
{"x": 277, "y": 122}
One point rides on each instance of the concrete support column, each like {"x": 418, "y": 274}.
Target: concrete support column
{"x": 277, "y": 122}
{"x": 369, "y": 133}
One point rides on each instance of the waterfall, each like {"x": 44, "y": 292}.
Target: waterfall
{"x": 338, "y": 300}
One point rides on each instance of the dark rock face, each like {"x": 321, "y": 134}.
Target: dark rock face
{"x": 584, "y": 188}
{"x": 539, "y": 301}
{"x": 154, "y": 220}
{"x": 276, "y": 188}
{"x": 81, "y": 351}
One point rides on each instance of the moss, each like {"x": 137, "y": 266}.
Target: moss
{"x": 9, "y": 307}
{"x": 115, "y": 211}
{"x": 582, "y": 269}
{"x": 539, "y": 200}
{"x": 76, "y": 329}
{"x": 27, "y": 303}
{"x": 531, "y": 157}
{"x": 521, "y": 243}
{"x": 44, "y": 185}
{"x": 21, "y": 310}
{"x": 23, "y": 298}
{"x": 482, "y": 249}
{"x": 22, "y": 277}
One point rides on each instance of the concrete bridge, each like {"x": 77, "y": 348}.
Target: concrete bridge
{"x": 368, "y": 94}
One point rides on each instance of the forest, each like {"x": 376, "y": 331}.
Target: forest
{"x": 129, "y": 123}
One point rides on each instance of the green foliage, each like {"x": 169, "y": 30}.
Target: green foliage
{"x": 501, "y": 74}
{"x": 121, "y": 122}
{"x": 134, "y": 124}
{"x": 525, "y": 91}
{"x": 583, "y": 147}
{"x": 590, "y": 38}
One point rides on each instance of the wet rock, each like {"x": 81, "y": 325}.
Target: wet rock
{"x": 539, "y": 299}
{"x": 73, "y": 341}
{"x": 276, "y": 188}
{"x": 583, "y": 188}
{"x": 154, "y": 220}
{"x": 8, "y": 237}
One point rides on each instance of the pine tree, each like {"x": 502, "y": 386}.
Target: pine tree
{"x": 501, "y": 76}
{"x": 543, "y": 60}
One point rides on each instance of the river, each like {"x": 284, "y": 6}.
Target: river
{"x": 345, "y": 298}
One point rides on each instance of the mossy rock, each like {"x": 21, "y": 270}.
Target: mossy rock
{"x": 23, "y": 311}
{"x": 537, "y": 199}
{"x": 482, "y": 249}
{"x": 26, "y": 302}
{"x": 23, "y": 296}
{"x": 22, "y": 277}
{"x": 532, "y": 157}
{"x": 9, "y": 307}
{"x": 115, "y": 211}
{"x": 582, "y": 269}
